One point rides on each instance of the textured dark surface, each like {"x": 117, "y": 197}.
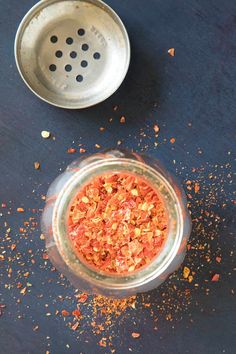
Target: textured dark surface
{"x": 197, "y": 86}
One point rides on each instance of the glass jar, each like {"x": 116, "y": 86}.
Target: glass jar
{"x": 61, "y": 251}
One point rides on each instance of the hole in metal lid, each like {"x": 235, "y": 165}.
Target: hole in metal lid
{"x": 73, "y": 55}
{"x": 85, "y": 47}
{"x": 52, "y": 67}
{"x": 54, "y": 39}
{"x": 79, "y": 78}
{"x": 69, "y": 40}
{"x": 81, "y": 32}
{"x": 68, "y": 68}
{"x": 97, "y": 55}
{"x": 59, "y": 54}
{"x": 84, "y": 63}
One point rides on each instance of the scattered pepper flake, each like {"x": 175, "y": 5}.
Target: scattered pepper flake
{"x": 23, "y": 291}
{"x": 2, "y": 306}
{"x": 218, "y": 259}
{"x": 215, "y": 277}
{"x": 97, "y": 146}
{"x": 75, "y": 326}
{"x": 71, "y": 150}
{"x": 37, "y": 166}
{"x": 82, "y": 298}
{"x": 156, "y": 128}
{"x": 172, "y": 140}
{"x": 102, "y": 343}
{"x": 82, "y": 151}
{"x": 65, "y": 313}
{"x": 196, "y": 187}
{"x": 122, "y": 120}
{"x": 20, "y": 210}
{"x": 45, "y": 134}
{"x": 190, "y": 278}
{"x": 186, "y": 272}
{"x": 76, "y": 313}
{"x": 45, "y": 256}
{"x": 13, "y": 247}
{"x": 171, "y": 52}
{"x": 136, "y": 335}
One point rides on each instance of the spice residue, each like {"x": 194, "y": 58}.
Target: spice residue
{"x": 118, "y": 223}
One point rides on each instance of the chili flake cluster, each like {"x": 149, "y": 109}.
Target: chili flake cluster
{"x": 117, "y": 223}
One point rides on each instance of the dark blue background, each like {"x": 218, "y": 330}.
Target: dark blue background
{"x": 197, "y": 86}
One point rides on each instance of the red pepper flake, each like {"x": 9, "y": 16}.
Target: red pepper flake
{"x": 13, "y": 247}
{"x": 171, "y": 52}
{"x": 2, "y": 258}
{"x": 82, "y": 151}
{"x": 218, "y": 259}
{"x": 172, "y": 140}
{"x": 136, "y": 335}
{"x": 102, "y": 343}
{"x": 37, "y": 166}
{"x": 82, "y": 298}
{"x": 196, "y": 187}
{"x": 156, "y": 128}
{"x": 115, "y": 205}
{"x": 4, "y": 205}
{"x": 97, "y": 146}
{"x": 215, "y": 277}
{"x": 76, "y": 313}
{"x": 23, "y": 291}
{"x": 20, "y": 210}
{"x": 75, "y": 326}
{"x": 122, "y": 120}
{"x": 45, "y": 256}
{"x": 186, "y": 272}
{"x": 71, "y": 151}
{"x": 101, "y": 129}
{"x": 190, "y": 278}
{"x": 2, "y": 306}
{"x": 65, "y": 313}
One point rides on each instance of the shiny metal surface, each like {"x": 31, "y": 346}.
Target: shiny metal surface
{"x": 72, "y": 54}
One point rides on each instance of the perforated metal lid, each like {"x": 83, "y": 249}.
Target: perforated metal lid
{"x": 72, "y": 53}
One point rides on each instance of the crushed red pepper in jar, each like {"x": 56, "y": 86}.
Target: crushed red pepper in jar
{"x": 117, "y": 223}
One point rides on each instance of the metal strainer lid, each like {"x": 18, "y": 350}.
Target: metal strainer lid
{"x": 72, "y": 53}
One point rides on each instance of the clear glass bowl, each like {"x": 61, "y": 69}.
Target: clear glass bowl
{"x": 60, "y": 249}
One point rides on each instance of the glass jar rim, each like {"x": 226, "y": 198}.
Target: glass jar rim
{"x": 142, "y": 276}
